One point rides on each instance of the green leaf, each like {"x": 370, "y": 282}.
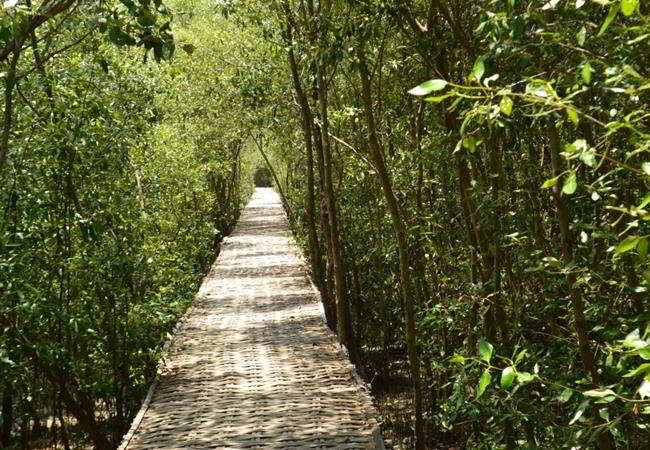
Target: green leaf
{"x": 643, "y": 368}
{"x": 642, "y": 248}
{"x": 507, "y": 377}
{"x": 470, "y": 143}
{"x": 645, "y": 353}
{"x": 537, "y": 89}
{"x": 520, "y": 356}
{"x": 505, "y": 106}
{"x": 428, "y": 86}
{"x": 439, "y": 98}
{"x": 586, "y": 72}
{"x": 613, "y": 10}
{"x": 570, "y": 184}
{"x": 628, "y": 6}
{"x": 581, "y": 410}
{"x": 588, "y": 157}
{"x": 565, "y": 396}
{"x": 646, "y": 168}
{"x": 604, "y": 414}
{"x": 549, "y": 183}
{"x": 485, "y": 350}
{"x": 579, "y": 145}
{"x": 646, "y": 201}
{"x": 644, "y": 389}
{"x": 551, "y": 4}
{"x": 572, "y": 115}
{"x": 525, "y": 377}
{"x": 458, "y": 359}
{"x": 628, "y": 244}
{"x": 599, "y": 393}
{"x": 483, "y": 382}
{"x": 581, "y": 36}
{"x": 479, "y": 68}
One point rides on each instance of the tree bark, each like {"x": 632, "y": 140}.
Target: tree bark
{"x": 343, "y": 320}
{"x": 568, "y": 243}
{"x": 399, "y": 228}
{"x": 307, "y": 120}
{"x": 7, "y": 416}
{"x": 10, "y": 82}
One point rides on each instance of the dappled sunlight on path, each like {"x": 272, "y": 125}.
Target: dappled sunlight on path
{"x": 252, "y": 364}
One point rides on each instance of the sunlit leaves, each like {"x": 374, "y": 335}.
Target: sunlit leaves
{"x": 646, "y": 168}
{"x": 483, "y": 382}
{"x": 537, "y": 89}
{"x": 479, "y": 69}
{"x": 551, "y": 4}
{"x": 579, "y": 412}
{"x": 507, "y": 377}
{"x": 439, "y": 98}
{"x": 525, "y": 377}
{"x": 572, "y": 115}
{"x": 599, "y": 393}
{"x": 505, "y": 105}
{"x": 549, "y": 183}
{"x": 643, "y": 368}
{"x": 427, "y": 87}
{"x": 485, "y": 350}
{"x": 644, "y": 389}
{"x": 613, "y": 10}
{"x": 570, "y": 184}
{"x": 586, "y": 72}
{"x": 565, "y": 395}
{"x": 581, "y": 36}
{"x": 628, "y": 6}
{"x": 628, "y": 244}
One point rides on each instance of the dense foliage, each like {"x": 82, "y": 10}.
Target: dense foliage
{"x": 469, "y": 181}
{"x": 489, "y": 243}
{"x": 119, "y": 179}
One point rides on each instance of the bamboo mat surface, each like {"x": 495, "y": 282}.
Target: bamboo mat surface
{"x": 252, "y": 364}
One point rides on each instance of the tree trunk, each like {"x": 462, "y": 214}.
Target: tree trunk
{"x": 307, "y": 119}
{"x": 399, "y": 228}
{"x": 7, "y": 416}
{"x": 10, "y": 82}
{"x": 343, "y": 319}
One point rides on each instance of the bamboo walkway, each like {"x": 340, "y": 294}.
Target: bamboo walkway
{"x": 252, "y": 364}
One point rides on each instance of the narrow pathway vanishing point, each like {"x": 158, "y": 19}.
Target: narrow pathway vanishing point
{"x": 252, "y": 364}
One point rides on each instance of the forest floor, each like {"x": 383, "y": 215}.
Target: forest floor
{"x": 391, "y": 391}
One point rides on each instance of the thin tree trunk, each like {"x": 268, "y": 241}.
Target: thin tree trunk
{"x": 307, "y": 119}
{"x": 10, "y": 82}
{"x": 7, "y": 416}
{"x": 568, "y": 247}
{"x": 577, "y": 303}
{"x": 344, "y": 324}
{"x": 399, "y": 228}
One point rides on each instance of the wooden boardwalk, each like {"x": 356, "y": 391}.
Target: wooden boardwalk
{"x": 252, "y": 364}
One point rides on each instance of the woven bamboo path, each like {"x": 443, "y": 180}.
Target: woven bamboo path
{"x": 252, "y": 364}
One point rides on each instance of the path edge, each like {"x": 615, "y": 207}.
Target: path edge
{"x": 126, "y": 439}
{"x": 377, "y": 432}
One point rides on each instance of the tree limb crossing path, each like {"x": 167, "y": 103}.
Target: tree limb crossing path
{"x": 252, "y": 364}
